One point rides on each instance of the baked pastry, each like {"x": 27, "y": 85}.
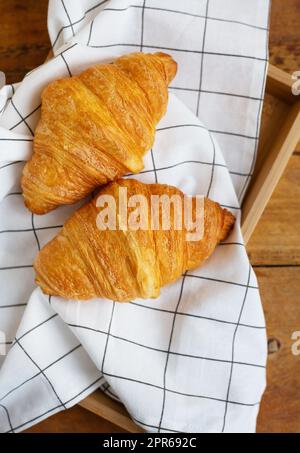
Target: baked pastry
{"x": 83, "y": 261}
{"x": 95, "y": 127}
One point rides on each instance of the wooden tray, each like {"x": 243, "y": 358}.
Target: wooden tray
{"x": 279, "y": 135}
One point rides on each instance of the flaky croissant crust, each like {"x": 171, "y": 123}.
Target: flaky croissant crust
{"x": 95, "y": 127}
{"x": 83, "y": 262}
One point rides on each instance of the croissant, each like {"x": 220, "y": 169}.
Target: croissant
{"x": 95, "y": 127}
{"x": 83, "y": 261}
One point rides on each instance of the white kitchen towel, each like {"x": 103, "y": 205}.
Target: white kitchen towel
{"x": 194, "y": 359}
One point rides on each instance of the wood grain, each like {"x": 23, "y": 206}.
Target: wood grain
{"x": 104, "y": 406}
{"x": 24, "y": 44}
{"x": 280, "y": 409}
{"x": 75, "y": 420}
{"x": 284, "y": 35}
{"x": 265, "y": 178}
{"x": 284, "y": 46}
{"x": 275, "y": 240}
{"x": 24, "y": 40}
{"x": 279, "y": 135}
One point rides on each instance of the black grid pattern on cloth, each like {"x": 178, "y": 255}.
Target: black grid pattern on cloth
{"x": 108, "y": 334}
{"x": 176, "y": 49}
{"x": 176, "y": 313}
{"x": 85, "y": 391}
{"x": 68, "y": 16}
{"x": 144, "y": 7}
{"x": 247, "y": 180}
{"x": 41, "y": 371}
{"x": 233, "y": 345}
{"x": 168, "y": 355}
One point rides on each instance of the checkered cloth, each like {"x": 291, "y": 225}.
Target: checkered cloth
{"x": 194, "y": 359}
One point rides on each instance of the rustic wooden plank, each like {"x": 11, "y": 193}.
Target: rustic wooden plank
{"x": 280, "y": 409}
{"x": 75, "y": 420}
{"x": 284, "y": 43}
{"x": 274, "y": 112}
{"x": 265, "y": 180}
{"x": 111, "y": 410}
{"x": 280, "y": 84}
{"x": 276, "y": 238}
{"x": 24, "y": 40}
{"x": 284, "y": 35}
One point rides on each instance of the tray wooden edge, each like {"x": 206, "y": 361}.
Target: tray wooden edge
{"x": 109, "y": 409}
{"x": 279, "y": 84}
{"x": 270, "y": 172}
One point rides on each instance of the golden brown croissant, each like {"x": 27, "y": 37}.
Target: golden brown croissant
{"x": 83, "y": 261}
{"x": 95, "y": 127}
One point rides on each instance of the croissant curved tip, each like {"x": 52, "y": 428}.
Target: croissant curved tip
{"x": 228, "y": 222}
{"x": 34, "y": 207}
{"x": 169, "y": 64}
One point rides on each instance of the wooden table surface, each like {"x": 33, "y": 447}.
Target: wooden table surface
{"x": 274, "y": 248}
